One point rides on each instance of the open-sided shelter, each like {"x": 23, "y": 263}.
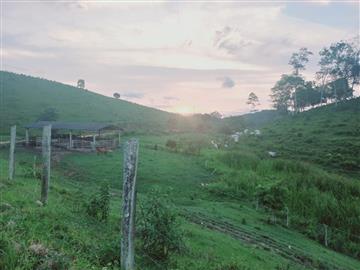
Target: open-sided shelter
{"x": 76, "y": 135}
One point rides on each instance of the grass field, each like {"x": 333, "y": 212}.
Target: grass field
{"x": 215, "y": 193}
{"x": 75, "y": 238}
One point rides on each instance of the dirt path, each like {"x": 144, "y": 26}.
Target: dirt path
{"x": 262, "y": 241}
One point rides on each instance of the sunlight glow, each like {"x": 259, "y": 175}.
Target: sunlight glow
{"x": 184, "y": 110}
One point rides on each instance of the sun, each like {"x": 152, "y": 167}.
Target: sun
{"x": 184, "y": 110}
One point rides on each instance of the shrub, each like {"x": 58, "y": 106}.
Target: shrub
{"x": 171, "y": 144}
{"x": 55, "y": 261}
{"x": 99, "y": 205}
{"x": 109, "y": 253}
{"x": 159, "y": 229}
{"x": 273, "y": 197}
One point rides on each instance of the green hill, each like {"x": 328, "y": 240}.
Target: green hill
{"x": 24, "y": 98}
{"x": 327, "y": 135}
{"x": 252, "y": 120}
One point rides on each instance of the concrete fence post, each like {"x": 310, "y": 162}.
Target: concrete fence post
{"x": 46, "y": 156}
{"x": 129, "y": 204}
{"x": 12, "y": 152}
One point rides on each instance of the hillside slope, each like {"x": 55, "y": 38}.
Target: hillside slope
{"x": 252, "y": 120}
{"x": 328, "y": 136}
{"x": 24, "y": 98}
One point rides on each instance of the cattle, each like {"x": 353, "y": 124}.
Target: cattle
{"x": 102, "y": 150}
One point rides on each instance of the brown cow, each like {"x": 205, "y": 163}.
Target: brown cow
{"x": 102, "y": 150}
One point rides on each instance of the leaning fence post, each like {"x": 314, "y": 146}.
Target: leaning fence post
{"x": 129, "y": 204}
{"x": 46, "y": 154}
{"x": 12, "y": 152}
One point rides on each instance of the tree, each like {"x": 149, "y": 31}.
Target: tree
{"x": 306, "y": 96}
{"x": 340, "y": 89}
{"x": 116, "y": 95}
{"x": 216, "y": 115}
{"x": 299, "y": 59}
{"x": 283, "y": 93}
{"x": 341, "y": 61}
{"x": 253, "y": 101}
{"x": 81, "y": 83}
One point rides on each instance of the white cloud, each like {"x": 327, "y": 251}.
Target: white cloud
{"x": 161, "y": 49}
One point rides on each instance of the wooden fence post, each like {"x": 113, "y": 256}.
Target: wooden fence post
{"x": 46, "y": 155}
{"x": 12, "y": 152}
{"x": 129, "y": 204}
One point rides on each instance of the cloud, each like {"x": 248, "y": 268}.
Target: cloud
{"x": 171, "y": 98}
{"x": 133, "y": 95}
{"x": 168, "y": 52}
{"x": 227, "y": 82}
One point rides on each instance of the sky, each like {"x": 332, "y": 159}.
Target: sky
{"x": 178, "y": 56}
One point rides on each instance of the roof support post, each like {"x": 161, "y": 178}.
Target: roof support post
{"x": 46, "y": 156}
{"x": 94, "y": 143}
{"x": 70, "y": 141}
{"x": 27, "y": 137}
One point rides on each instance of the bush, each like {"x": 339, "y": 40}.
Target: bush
{"x": 171, "y": 144}
{"x": 110, "y": 253}
{"x": 99, "y": 205}
{"x": 159, "y": 229}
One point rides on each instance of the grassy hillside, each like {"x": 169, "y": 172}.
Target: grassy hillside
{"x": 231, "y": 202}
{"x": 252, "y": 120}
{"x": 328, "y": 136}
{"x": 219, "y": 233}
{"x": 24, "y": 98}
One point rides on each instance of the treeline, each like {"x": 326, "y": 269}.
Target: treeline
{"x": 338, "y": 75}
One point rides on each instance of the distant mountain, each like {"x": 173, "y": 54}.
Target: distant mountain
{"x": 25, "y": 98}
